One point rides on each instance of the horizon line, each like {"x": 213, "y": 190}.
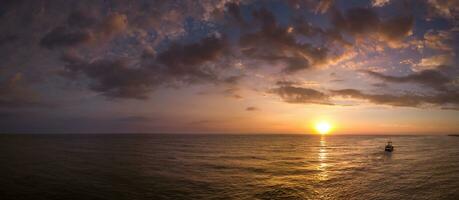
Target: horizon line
{"x": 226, "y": 133}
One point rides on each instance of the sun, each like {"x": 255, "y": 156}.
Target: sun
{"x": 323, "y": 127}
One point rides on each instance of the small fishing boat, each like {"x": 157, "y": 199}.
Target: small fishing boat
{"x": 389, "y": 147}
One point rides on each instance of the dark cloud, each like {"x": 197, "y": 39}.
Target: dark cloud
{"x": 82, "y": 27}
{"x": 445, "y": 98}
{"x": 178, "y": 64}
{"x": 432, "y": 78}
{"x": 77, "y": 30}
{"x": 81, "y": 19}
{"x": 407, "y": 100}
{"x": 362, "y": 22}
{"x": 234, "y": 11}
{"x": 112, "y": 78}
{"x": 198, "y": 62}
{"x": 385, "y": 99}
{"x": 293, "y": 94}
{"x": 252, "y": 108}
{"x": 396, "y": 28}
{"x": 274, "y": 43}
{"x": 356, "y": 20}
{"x": 380, "y": 85}
{"x": 296, "y": 64}
{"x": 65, "y": 36}
{"x": 286, "y": 83}
{"x": 187, "y": 61}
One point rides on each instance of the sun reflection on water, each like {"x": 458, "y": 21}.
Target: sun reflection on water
{"x": 322, "y": 158}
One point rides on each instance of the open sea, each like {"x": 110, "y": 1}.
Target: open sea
{"x": 161, "y": 166}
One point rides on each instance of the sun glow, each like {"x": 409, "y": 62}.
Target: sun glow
{"x": 323, "y": 127}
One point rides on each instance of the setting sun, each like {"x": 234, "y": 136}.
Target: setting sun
{"x": 323, "y": 127}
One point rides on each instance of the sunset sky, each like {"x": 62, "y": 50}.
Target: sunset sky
{"x": 203, "y": 66}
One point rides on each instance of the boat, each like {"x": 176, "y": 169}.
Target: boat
{"x": 389, "y": 147}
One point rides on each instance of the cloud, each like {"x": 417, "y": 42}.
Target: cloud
{"x": 64, "y": 36}
{"x": 286, "y": 83}
{"x": 75, "y": 31}
{"x": 179, "y": 63}
{"x": 112, "y": 78}
{"x": 433, "y": 62}
{"x": 187, "y": 61}
{"x": 252, "y": 108}
{"x": 356, "y": 20}
{"x": 275, "y": 43}
{"x": 82, "y": 28}
{"x": 323, "y": 6}
{"x": 189, "y": 42}
{"x": 438, "y": 39}
{"x": 113, "y": 24}
{"x": 431, "y": 78}
{"x": 406, "y": 100}
{"x": 81, "y": 19}
{"x": 293, "y": 94}
{"x": 365, "y": 22}
{"x": 379, "y": 3}
{"x": 118, "y": 78}
{"x": 443, "y": 99}
{"x": 443, "y": 8}
{"x": 234, "y": 11}
{"x": 385, "y": 99}
{"x": 397, "y": 28}
{"x": 233, "y": 79}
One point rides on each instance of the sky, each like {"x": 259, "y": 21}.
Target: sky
{"x": 229, "y": 66}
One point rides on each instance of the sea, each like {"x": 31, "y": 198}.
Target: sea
{"x": 212, "y": 166}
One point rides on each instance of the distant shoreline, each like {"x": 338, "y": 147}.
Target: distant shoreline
{"x": 454, "y": 135}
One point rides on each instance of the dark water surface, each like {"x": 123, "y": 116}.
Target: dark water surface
{"x": 227, "y": 167}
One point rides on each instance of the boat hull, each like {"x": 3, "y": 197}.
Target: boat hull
{"x": 389, "y": 149}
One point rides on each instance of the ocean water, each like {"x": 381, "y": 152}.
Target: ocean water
{"x": 131, "y": 166}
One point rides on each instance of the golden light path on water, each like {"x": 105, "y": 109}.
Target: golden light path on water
{"x": 322, "y": 157}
